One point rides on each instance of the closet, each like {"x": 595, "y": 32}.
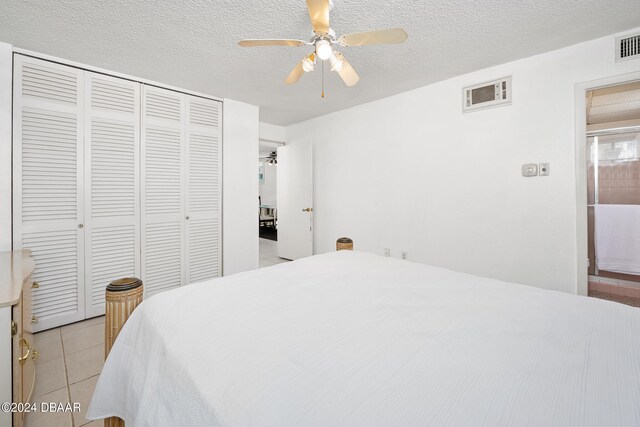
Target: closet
{"x": 112, "y": 178}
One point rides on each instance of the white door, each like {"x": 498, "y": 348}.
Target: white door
{"x": 163, "y": 189}
{"x": 48, "y": 178}
{"x": 112, "y": 190}
{"x": 295, "y": 201}
{"x": 204, "y": 189}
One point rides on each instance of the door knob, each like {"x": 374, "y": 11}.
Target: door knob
{"x": 80, "y": 225}
{"x": 187, "y": 218}
{"x": 307, "y": 210}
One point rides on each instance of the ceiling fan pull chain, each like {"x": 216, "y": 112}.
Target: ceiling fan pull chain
{"x": 322, "y": 72}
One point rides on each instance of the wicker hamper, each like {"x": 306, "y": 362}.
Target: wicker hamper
{"x": 344, "y": 244}
{"x": 122, "y": 297}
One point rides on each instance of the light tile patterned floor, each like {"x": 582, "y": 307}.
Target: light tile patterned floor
{"x": 71, "y": 358}
{"x": 269, "y": 253}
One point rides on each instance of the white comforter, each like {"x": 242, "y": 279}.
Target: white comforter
{"x": 350, "y": 338}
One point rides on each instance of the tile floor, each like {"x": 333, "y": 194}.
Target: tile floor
{"x": 269, "y": 253}
{"x": 623, "y": 293}
{"x": 71, "y": 358}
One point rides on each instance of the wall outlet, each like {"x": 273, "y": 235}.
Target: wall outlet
{"x": 404, "y": 254}
{"x": 544, "y": 169}
{"x": 387, "y": 252}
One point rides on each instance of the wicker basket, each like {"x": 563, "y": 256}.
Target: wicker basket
{"x": 122, "y": 297}
{"x": 344, "y": 244}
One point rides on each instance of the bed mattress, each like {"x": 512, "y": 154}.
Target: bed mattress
{"x": 350, "y": 338}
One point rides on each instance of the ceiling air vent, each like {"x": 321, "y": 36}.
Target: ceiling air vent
{"x": 627, "y": 47}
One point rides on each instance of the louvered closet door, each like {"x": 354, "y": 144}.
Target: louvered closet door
{"x": 48, "y": 180}
{"x": 112, "y": 190}
{"x": 163, "y": 146}
{"x": 204, "y": 142}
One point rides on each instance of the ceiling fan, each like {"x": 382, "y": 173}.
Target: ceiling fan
{"x": 271, "y": 158}
{"x": 324, "y": 38}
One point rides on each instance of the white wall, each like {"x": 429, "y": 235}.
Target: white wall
{"x": 6, "y": 61}
{"x": 412, "y": 172}
{"x": 272, "y": 133}
{"x": 268, "y": 189}
{"x": 240, "y": 186}
{"x": 271, "y": 137}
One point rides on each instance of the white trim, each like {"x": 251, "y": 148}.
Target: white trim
{"x": 271, "y": 141}
{"x": 111, "y": 73}
{"x": 581, "y": 273}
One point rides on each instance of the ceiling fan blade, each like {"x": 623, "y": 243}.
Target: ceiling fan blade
{"x": 274, "y": 42}
{"x": 295, "y": 74}
{"x": 397, "y": 35}
{"x": 319, "y": 14}
{"x": 347, "y": 73}
{"x": 299, "y": 70}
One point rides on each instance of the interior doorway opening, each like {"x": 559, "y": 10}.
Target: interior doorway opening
{"x": 613, "y": 192}
{"x": 268, "y": 203}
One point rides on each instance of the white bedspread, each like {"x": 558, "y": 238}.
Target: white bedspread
{"x": 355, "y": 339}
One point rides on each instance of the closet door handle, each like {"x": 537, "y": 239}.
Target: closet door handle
{"x": 24, "y": 358}
{"x": 187, "y": 218}
{"x": 80, "y": 225}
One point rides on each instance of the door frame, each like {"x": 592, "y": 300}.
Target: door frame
{"x": 581, "y": 248}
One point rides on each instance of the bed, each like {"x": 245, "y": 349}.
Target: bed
{"x": 351, "y": 338}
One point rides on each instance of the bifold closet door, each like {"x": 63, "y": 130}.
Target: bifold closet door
{"x": 204, "y": 189}
{"x": 112, "y": 188}
{"x": 163, "y": 189}
{"x": 48, "y": 181}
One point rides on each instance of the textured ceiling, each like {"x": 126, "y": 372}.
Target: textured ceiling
{"x": 193, "y": 43}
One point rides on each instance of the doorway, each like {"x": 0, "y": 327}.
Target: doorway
{"x": 268, "y": 203}
{"x": 613, "y": 192}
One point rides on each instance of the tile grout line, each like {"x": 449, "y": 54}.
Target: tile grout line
{"x": 66, "y": 374}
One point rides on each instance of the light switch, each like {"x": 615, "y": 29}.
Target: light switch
{"x": 544, "y": 169}
{"x": 530, "y": 169}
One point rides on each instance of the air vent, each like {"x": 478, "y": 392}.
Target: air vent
{"x": 628, "y": 47}
{"x": 487, "y": 95}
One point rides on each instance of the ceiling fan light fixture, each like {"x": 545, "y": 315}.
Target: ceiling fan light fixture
{"x": 336, "y": 63}
{"x": 323, "y": 49}
{"x": 307, "y": 64}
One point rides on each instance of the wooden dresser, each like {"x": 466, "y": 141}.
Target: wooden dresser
{"x": 17, "y": 369}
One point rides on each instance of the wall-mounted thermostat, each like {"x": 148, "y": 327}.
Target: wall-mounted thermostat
{"x": 530, "y": 169}
{"x": 486, "y": 95}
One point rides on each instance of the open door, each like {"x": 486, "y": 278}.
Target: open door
{"x": 295, "y": 201}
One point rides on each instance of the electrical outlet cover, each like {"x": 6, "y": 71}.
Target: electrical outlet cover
{"x": 544, "y": 169}
{"x": 530, "y": 169}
